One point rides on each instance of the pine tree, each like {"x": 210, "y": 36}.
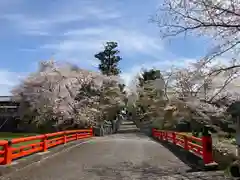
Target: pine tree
{"x": 109, "y": 59}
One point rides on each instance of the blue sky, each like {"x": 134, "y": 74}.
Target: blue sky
{"x": 74, "y": 30}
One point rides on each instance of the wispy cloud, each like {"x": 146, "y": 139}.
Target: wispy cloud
{"x": 47, "y": 23}
{"x": 84, "y": 43}
{"x": 86, "y": 31}
{"x": 75, "y": 30}
{"x": 130, "y": 39}
{"x": 131, "y": 73}
{"x": 8, "y": 80}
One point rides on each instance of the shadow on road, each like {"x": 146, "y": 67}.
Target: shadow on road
{"x": 193, "y": 161}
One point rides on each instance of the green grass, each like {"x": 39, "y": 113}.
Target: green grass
{"x": 9, "y": 136}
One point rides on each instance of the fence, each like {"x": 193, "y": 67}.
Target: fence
{"x": 20, "y": 147}
{"x": 201, "y": 147}
{"x": 108, "y": 127}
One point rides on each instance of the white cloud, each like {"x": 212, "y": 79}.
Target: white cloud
{"x": 83, "y": 43}
{"x": 101, "y": 13}
{"x": 45, "y": 24}
{"x": 167, "y": 64}
{"x": 131, "y": 73}
{"x": 69, "y": 46}
{"x": 129, "y": 39}
{"x": 85, "y": 31}
{"x": 7, "y": 81}
{"x": 79, "y": 45}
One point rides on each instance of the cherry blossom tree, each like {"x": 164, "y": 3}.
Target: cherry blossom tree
{"x": 216, "y": 19}
{"x": 204, "y": 88}
{"x": 65, "y": 96}
{"x": 200, "y": 93}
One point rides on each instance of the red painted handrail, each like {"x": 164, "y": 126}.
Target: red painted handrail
{"x": 201, "y": 147}
{"x": 12, "y": 149}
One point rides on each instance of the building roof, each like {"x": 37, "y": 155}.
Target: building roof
{"x": 5, "y": 98}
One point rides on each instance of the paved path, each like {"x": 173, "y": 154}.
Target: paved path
{"x": 115, "y": 157}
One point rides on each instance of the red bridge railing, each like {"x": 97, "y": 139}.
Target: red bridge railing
{"x": 14, "y": 149}
{"x": 201, "y": 147}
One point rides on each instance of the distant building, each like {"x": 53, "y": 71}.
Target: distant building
{"x": 8, "y": 114}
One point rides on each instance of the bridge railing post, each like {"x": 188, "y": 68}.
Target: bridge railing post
{"x": 185, "y": 142}
{"x": 161, "y": 135}
{"x": 64, "y": 137}
{"x": 76, "y": 135}
{"x": 207, "y": 150}
{"x": 8, "y": 153}
{"x": 91, "y": 131}
{"x": 45, "y": 145}
{"x": 174, "y": 137}
{"x": 153, "y": 132}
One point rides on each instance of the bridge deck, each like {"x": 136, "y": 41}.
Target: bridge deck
{"x": 115, "y": 157}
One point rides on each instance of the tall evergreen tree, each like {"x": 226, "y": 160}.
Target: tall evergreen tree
{"x": 109, "y": 59}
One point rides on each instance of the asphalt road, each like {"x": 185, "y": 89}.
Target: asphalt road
{"x": 114, "y": 157}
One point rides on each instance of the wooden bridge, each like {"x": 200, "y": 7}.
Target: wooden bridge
{"x": 130, "y": 155}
